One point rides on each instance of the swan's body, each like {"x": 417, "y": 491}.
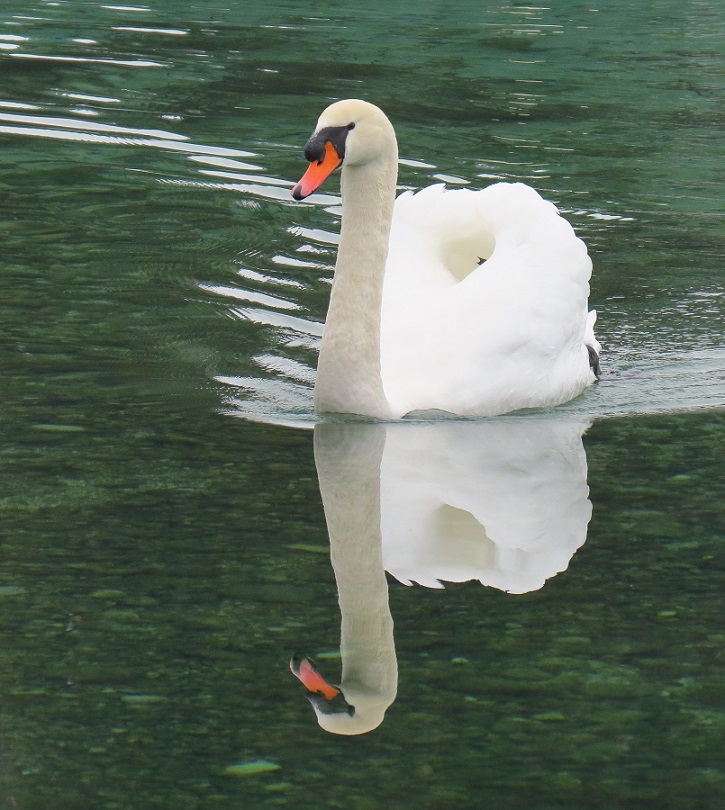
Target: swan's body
{"x": 471, "y": 302}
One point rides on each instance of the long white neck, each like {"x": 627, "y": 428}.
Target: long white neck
{"x": 348, "y": 371}
{"x": 348, "y": 458}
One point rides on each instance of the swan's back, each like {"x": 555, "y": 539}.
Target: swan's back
{"x": 485, "y": 303}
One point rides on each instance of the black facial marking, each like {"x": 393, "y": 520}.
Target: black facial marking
{"x": 338, "y": 704}
{"x": 315, "y": 147}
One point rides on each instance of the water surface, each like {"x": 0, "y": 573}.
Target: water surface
{"x": 164, "y": 546}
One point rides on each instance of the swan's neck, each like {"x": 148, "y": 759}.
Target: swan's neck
{"x": 348, "y": 458}
{"x": 348, "y": 371}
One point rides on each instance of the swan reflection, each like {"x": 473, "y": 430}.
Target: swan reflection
{"x": 504, "y": 502}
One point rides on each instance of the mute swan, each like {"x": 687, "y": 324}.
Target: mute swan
{"x": 348, "y": 459}
{"x": 501, "y": 501}
{"x": 470, "y": 302}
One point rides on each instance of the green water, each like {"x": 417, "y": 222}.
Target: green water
{"x": 164, "y": 548}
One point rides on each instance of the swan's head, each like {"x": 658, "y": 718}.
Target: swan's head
{"x": 350, "y": 132}
{"x": 347, "y": 714}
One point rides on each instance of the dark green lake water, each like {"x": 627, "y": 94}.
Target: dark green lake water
{"x": 164, "y": 548}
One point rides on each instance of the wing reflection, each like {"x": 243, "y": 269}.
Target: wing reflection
{"x": 504, "y": 502}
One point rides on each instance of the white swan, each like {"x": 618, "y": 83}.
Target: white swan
{"x": 470, "y": 302}
{"x": 504, "y": 502}
{"x": 348, "y": 458}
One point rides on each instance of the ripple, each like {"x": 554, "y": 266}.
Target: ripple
{"x": 88, "y": 97}
{"x": 253, "y": 275}
{"x": 230, "y": 163}
{"x": 141, "y": 9}
{"x": 96, "y": 59}
{"x": 174, "y": 32}
{"x": 271, "y": 318}
{"x": 248, "y": 295}
{"x": 72, "y": 123}
{"x": 285, "y": 367}
{"x": 18, "y": 105}
{"x": 74, "y": 129}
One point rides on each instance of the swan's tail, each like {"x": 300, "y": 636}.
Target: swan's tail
{"x": 594, "y": 347}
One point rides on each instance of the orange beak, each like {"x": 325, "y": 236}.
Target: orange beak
{"x": 306, "y": 671}
{"x": 317, "y": 172}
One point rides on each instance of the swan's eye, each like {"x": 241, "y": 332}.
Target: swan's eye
{"x": 351, "y": 126}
